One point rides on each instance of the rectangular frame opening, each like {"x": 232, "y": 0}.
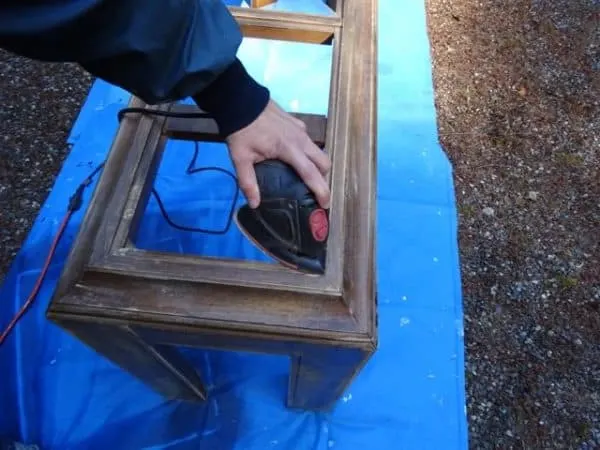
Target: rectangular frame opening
{"x": 123, "y": 257}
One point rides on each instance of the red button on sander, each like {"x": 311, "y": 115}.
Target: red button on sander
{"x": 319, "y": 224}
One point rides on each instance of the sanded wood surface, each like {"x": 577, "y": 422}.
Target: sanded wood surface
{"x": 356, "y": 136}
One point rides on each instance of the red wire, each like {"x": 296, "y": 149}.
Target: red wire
{"x": 40, "y": 279}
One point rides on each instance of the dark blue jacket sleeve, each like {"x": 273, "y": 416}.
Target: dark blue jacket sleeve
{"x": 159, "y": 50}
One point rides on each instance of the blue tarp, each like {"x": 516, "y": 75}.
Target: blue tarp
{"x": 57, "y": 393}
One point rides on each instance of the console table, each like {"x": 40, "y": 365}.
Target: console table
{"x": 135, "y": 306}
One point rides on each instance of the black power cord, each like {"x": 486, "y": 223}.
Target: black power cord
{"x": 76, "y": 201}
{"x": 190, "y": 169}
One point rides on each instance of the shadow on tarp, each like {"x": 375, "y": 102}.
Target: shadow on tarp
{"x": 175, "y": 424}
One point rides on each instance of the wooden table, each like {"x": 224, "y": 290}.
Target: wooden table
{"x": 136, "y": 306}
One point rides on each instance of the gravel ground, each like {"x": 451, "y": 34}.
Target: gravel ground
{"x": 517, "y": 92}
{"x": 518, "y": 97}
{"x": 38, "y": 104}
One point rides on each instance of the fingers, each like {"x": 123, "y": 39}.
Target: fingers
{"x": 247, "y": 181}
{"x": 287, "y": 116}
{"x": 315, "y": 154}
{"x": 311, "y": 176}
{"x": 310, "y": 162}
{"x": 299, "y": 122}
{"x": 276, "y": 134}
{"x": 318, "y": 157}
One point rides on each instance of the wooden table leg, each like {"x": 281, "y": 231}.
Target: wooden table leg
{"x": 160, "y": 367}
{"x": 319, "y": 377}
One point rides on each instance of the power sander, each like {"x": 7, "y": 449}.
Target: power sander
{"x": 289, "y": 225}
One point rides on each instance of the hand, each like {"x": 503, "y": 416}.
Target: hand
{"x": 275, "y": 134}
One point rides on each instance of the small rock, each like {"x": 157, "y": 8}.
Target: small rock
{"x": 488, "y": 211}
{"x": 509, "y": 433}
{"x": 533, "y": 195}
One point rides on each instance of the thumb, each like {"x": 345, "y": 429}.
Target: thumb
{"x": 248, "y": 183}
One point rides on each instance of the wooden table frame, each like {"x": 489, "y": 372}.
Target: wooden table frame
{"x": 134, "y": 306}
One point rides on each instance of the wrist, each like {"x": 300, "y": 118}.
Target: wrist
{"x": 234, "y": 99}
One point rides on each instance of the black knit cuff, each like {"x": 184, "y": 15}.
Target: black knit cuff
{"x": 234, "y": 99}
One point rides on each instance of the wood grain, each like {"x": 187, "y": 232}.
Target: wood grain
{"x": 206, "y": 305}
{"x": 86, "y": 240}
{"x": 139, "y": 179}
{"x": 156, "y": 265}
{"x": 335, "y": 257}
{"x": 120, "y": 180}
{"x": 356, "y": 137}
{"x": 286, "y": 26}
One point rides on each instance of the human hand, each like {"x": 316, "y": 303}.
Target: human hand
{"x": 275, "y": 134}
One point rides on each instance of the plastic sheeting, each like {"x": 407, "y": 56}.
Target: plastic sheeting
{"x": 57, "y": 393}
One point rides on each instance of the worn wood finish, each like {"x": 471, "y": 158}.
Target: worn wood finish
{"x": 356, "y": 131}
{"x": 136, "y": 306}
{"x": 201, "y": 305}
{"x": 146, "y": 136}
{"x": 205, "y": 129}
{"x": 286, "y": 26}
{"x": 85, "y": 240}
